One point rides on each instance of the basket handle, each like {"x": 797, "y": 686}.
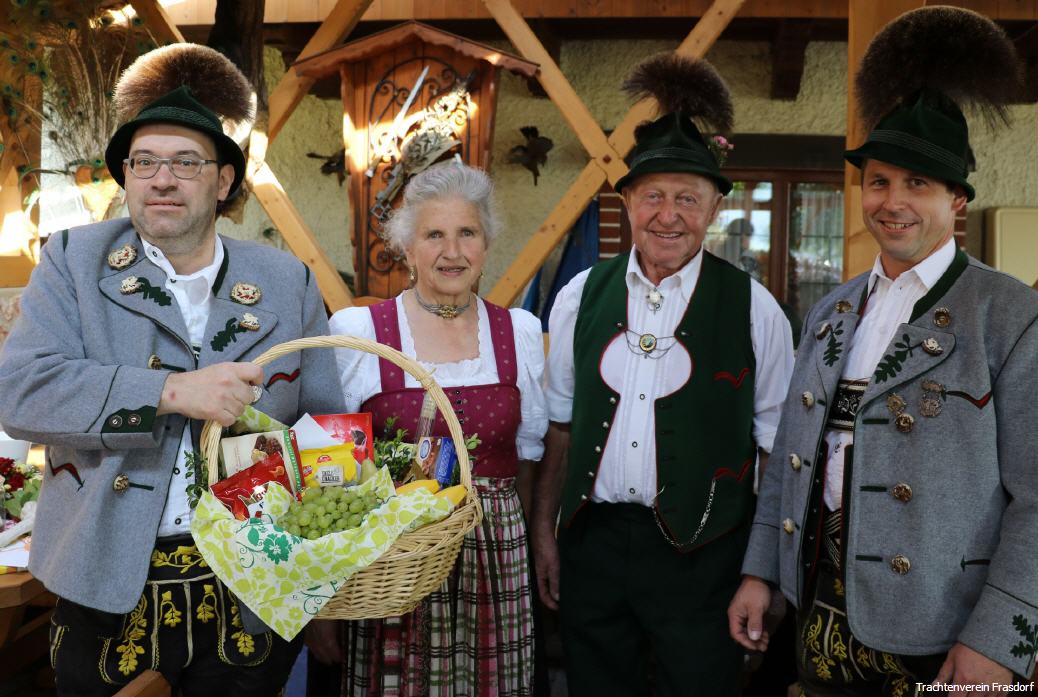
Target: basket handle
{"x": 211, "y": 431}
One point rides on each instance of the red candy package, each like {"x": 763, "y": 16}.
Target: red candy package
{"x": 243, "y": 492}
{"x": 350, "y": 429}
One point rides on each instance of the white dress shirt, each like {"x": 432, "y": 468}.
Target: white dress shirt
{"x": 628, "y": 469}
{"x": 889, "y": 305}
{"x": 194, "y": 296}
{"x": 361, "y": 378}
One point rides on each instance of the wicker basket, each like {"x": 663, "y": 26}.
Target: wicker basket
{"x": 419, "y": 561}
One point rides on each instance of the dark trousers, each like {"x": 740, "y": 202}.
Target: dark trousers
{"x": 630, "y": 600}
{"x": 186, "y": 626}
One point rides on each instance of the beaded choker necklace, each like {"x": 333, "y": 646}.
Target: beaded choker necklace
{"x": 445, "y": 311}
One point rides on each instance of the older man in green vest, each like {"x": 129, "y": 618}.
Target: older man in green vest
{"x": 667, "y": 370}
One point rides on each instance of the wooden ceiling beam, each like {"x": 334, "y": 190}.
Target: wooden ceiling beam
{"x": 158, "y": 21}
{"x": 559, "y": 89}
{"x": 788, "y": 49}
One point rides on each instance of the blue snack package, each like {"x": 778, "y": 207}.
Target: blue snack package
{"x": 446, "y": 461}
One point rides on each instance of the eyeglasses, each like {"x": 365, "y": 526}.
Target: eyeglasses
{"x": 182, "y": 167}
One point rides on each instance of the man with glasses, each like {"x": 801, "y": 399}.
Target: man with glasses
{"x": 666, "y": 371}
{"x": 133, "y": 333}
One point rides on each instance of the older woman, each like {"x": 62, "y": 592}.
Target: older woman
{"x": 475, "y": 635}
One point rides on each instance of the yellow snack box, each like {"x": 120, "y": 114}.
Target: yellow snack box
{"x": 331, "y": 466}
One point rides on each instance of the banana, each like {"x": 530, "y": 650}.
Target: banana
{"x": 431, "y": 485}
{"x": 456, "y": 494}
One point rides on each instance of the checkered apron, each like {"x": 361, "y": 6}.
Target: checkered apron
{"x": 474, "y": 636}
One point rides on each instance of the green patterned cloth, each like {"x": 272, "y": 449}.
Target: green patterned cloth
{"x": 285, "y": 579}
{"x": 253, "y": 420}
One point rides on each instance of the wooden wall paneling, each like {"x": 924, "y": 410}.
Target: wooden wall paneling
{"x": 489, "y": 75}
{"x": 575, "y": 200}
{"x": 1017, "y": 9}
{"x": 865, "y": 21}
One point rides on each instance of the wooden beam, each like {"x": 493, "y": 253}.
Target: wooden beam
{"x": 552, "y": 44}
{"x": 300, "y": 240}
{"x": 158, "y": 21}
{"x": 788, "y": 49}
{"x": 865, "y": 20}
{"x": 290, "y": 91}
{"x": 1027, "y": 48}
{"x": 575, "y": 200}
{"x": 328, "y": 62}
{"x": 559, "y": 89}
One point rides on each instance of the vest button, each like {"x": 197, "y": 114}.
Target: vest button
{"x": 788, "y": 526}
{"x": 822, "y": 330}
{"x": 902, "y": 492}
{"x": 794, "y": 462}
{"x": 115, "y": 421}
{"x": 612, "y": 400}
{"x": 605, "y": 424}
{"x": 900, "y": 564}
{"x": 808, "y": 399}
{"x": 121, "y": 483}
{"x": 843, "y": 306}
{"x": 933, "y": 347}
{"x": 590, "y": 474}
{"x": 598, "y": 448}
{"x": 583, "y": 497}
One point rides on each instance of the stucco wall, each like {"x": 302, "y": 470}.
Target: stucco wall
{"x": 595, "y": 68}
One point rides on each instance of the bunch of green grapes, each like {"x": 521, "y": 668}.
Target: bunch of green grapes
{"x": 327, "y": 509}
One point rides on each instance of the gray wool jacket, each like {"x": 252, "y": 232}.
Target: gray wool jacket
{"x": 966, "y": 526}
{"x": 83, "y": 371}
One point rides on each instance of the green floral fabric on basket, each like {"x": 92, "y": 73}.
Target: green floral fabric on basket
{"x": 285, "y": 579}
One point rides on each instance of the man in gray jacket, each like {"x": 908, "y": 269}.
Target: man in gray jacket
{"x": 134, "y": 332}
{"x": 899, "y": 512}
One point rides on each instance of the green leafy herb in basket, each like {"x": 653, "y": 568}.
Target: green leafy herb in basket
{"x": 392, "y": 451}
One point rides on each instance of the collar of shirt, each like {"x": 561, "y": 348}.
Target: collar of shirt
{"x": 928, "y": 271}
{"x": 197, "y": 285}
{"x": 686, "y": 277}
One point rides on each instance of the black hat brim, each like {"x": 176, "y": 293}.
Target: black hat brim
{"x": 910, "y": 160}
{"x": 667, "y": 165}
{"x": 227, "y": 150}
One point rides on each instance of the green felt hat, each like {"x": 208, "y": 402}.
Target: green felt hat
{"x": 672, "y": 144}
{"x": 181, "y": 108}
{"x": 927, "y": 134}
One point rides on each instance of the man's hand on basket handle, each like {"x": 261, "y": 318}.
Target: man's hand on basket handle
{"x": 215, "y": 393}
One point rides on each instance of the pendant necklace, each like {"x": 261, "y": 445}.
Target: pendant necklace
{"x": 445, "y": 311}
{"x": 649, "y": 345}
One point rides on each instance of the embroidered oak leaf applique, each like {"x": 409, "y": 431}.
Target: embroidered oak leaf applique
{"x": 154, "y": 293}
{"x": 892, "y": 363}
{"x": 834, "y": 346}
{"x": 226, "y": 335}
{"x": 1029, "y": 646}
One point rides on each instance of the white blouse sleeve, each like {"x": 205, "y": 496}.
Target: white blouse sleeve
{"x": 529, "y": 351}
{"x": 358, "y": 370}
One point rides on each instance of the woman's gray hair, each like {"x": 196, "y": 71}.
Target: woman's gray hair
{"x": 451, "y": 179}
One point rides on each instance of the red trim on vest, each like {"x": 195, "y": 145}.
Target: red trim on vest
{"x": 737, "y": 381}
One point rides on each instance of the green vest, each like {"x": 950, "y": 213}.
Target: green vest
{"x": 705, "y": 451}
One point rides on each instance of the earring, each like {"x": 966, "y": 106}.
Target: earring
{"x": 412, "y": 275}
{"x": 481, "y": 275}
